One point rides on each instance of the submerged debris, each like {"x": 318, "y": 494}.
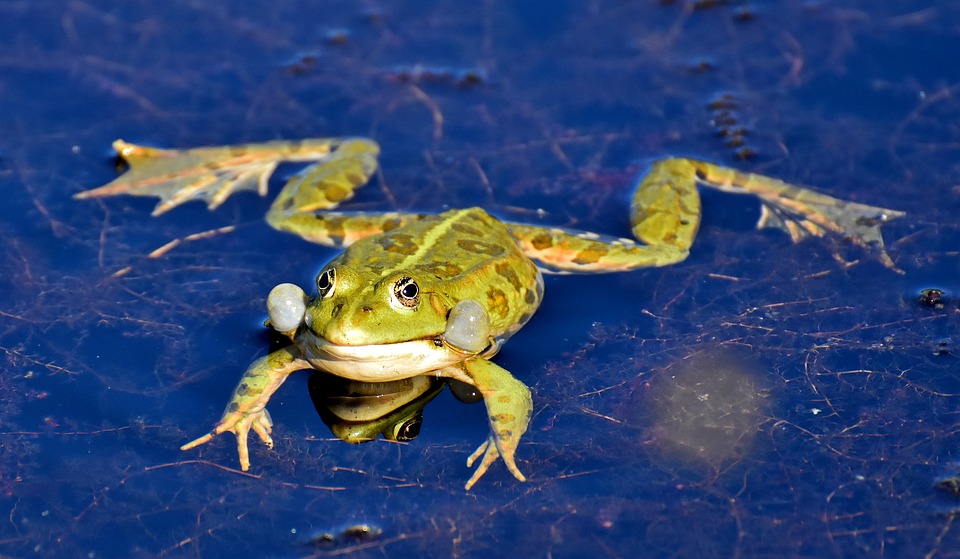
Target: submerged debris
{"x": 351, "y": 534}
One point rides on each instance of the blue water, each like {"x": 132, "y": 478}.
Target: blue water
{"x": 760, "y": 399}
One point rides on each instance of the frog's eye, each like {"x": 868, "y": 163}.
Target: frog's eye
{"x": 407, "y": 292}
{"x": 326, "y": 282}
{"x": 409, "y": 429}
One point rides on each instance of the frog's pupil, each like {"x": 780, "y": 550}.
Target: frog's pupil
{"x": 406, "y": 292}
{"x": 409, "y": 430}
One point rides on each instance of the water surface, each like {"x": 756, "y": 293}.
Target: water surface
{"x": 760, "y": 399}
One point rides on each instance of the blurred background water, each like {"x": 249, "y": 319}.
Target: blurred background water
{"x": 760, "y": 399}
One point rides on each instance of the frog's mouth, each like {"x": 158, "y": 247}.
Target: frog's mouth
{"x": 466, "y": 335}
{"x": 379, "y": 362}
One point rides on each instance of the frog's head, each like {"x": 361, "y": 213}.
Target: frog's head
{"x": 358, "y": 308}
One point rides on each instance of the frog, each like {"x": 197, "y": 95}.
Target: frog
{"x": 359, "y": 412}
{"x": 437, "y": 295}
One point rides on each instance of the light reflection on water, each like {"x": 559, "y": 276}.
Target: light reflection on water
{"x": 711, "y": 408}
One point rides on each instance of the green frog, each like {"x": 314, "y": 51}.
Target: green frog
{"x": 359, "y": 412}
{"x": 437, "y": 295}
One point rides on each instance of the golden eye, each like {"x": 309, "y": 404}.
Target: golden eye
{"x": 326, "y": 282}
{"x": 407, "y": 292}
{"x": 409, "y": 429}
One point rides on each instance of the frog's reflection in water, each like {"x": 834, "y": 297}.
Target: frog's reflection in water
{"x": 358, "y": 412}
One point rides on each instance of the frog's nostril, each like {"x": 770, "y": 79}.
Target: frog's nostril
{"x": 367, "y": 309}
{"x": 336, "y": 310}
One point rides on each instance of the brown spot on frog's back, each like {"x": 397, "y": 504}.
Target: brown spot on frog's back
{"x": 400, "y": 243}
{"x": 506, "y": 270}
{"x": 529, "y": 296}
{"x": 497, "y": 302}
{"x": 523, "y": 320}
{"x": 442, "y": 270}
{"x": 480, "y": 247}
{"x": 467, "y": 230}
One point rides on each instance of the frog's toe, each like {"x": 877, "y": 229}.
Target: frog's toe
{"x": 490, "y": 452}
{"x": 263, "y": 426}
{"x": 198, "y": 441}
{"x": 512, "y": 465}
{"x": 483, "y": 448}
{"x": 242, "y": 449}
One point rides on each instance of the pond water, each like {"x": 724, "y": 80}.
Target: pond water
{"x": 759, "y": 399}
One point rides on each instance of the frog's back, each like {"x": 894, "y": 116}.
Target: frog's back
{"x": 463, "y": 254}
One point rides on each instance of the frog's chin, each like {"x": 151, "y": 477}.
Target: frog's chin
{"x": 381, "y": 362}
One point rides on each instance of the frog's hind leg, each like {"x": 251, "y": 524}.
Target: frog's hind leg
{"x": 302, "y": 207}
{"x": 664, "y": 214}
{"x": 329, "y": 182}
{"x": 213, "y": 174}
{"x": 341, "y": 229}
{"x": 799, "y": 211}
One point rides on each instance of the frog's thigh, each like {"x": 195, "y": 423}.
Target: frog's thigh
{"x": 340, "y": 229}
{"x": 328, "y": 182}
{"x": 666, "y": 205}
{"x": 299, "y": 207}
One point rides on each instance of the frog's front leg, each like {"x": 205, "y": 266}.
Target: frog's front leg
{"x": 509, "y": 406}
{"x": 247, "y": 407}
